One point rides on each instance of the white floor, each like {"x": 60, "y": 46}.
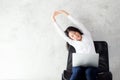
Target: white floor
{"x": 30, "y": 47}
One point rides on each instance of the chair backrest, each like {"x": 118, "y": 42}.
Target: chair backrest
{"x": 101, "y": 47}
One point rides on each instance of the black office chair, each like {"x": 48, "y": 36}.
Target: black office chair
{"x": 101, "y": 47}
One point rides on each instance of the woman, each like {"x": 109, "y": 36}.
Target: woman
{"x": 80, "y": 38}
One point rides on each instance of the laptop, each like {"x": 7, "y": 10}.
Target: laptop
{"x": 85, "y": 60}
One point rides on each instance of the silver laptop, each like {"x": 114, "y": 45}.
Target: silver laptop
{"x": 85, "y": 60}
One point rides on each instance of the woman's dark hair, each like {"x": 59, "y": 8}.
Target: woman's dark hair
{"x": 72, "y": 28}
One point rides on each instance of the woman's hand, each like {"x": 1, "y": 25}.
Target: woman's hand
{"x": 55, "y": 14}
{"x": 64, "y": 12}
{"x": 59, "y": 12}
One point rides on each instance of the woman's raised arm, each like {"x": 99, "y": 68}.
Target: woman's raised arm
{"x": 59, "y": 29}
{"x": 79, "y": 25}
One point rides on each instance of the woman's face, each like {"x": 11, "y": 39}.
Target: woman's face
{"x": 74, "y": 35}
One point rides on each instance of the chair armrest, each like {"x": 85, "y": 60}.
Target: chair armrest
{"x": 66, "y": 75}
{"x": 105, "y": 76}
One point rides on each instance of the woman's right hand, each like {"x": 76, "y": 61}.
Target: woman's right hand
{"x": 59, "y": 12}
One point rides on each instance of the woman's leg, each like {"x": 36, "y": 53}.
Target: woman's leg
{"x": 76, "y": 73}
{"x": 91, "y": 73}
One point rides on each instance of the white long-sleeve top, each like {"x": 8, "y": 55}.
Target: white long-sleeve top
{"x": 86, "y": 45}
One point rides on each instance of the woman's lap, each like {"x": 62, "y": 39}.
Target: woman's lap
{"x": 77, "y": 72}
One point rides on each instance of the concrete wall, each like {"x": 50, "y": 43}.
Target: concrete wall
{"x": 31, "y": 49}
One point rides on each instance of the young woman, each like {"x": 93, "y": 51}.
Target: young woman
{"x": 80, "y": 38}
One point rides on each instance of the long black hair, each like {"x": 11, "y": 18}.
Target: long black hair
{"x": 71, "y": 28}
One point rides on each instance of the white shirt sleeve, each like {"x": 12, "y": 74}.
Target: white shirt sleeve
{"x": 80, "y": 26}
{"x": 62, "y": 34}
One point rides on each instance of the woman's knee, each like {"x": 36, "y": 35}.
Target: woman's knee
{"x": 91, "y": 73}
{"x": 91, "y": 70}
{"x": 76, "y": 69}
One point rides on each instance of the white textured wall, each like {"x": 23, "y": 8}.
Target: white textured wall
{"x": 30, "y": 48}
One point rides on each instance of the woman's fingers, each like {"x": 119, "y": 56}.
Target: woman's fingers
{"x": 64, "y": 12}
{"x": 60, "y": 12}
{"x": 57, "y": 13}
